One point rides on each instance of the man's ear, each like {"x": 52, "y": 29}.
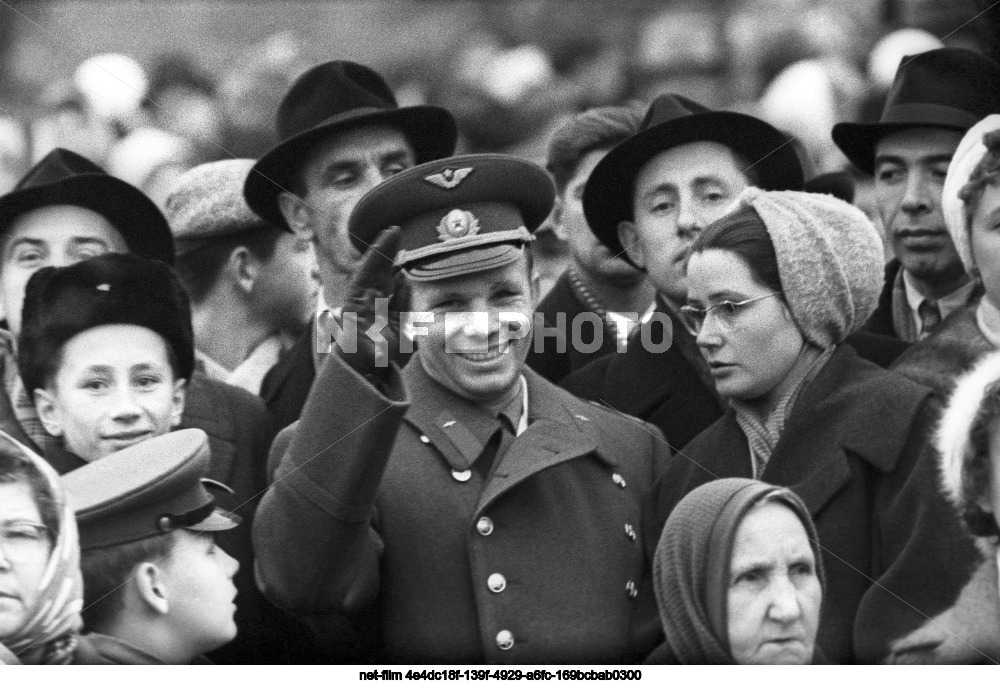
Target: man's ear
{"x": 555, "y": 219}
{"x": 177, "y": 402}
{"x": 244, "y": 268}
{"x": 297, "y": 213}
{"x": 629, "y": 237}
{"x": 150, "y": 587}
{"x": 49, "y": 411}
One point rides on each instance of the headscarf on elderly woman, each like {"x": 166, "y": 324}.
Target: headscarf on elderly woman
{"x": 693, "y": 579}
{"x": 971, "y": 190}
{"x": 40, "y": 555}
{"x": 774, "y": 288}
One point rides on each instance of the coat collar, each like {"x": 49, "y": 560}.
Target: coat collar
{"x": 559, "y": 428}
{"x": 875, "y": 413}
{"x": 653, "y": 376}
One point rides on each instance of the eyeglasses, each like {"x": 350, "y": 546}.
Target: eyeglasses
{"x": 693, "y": 317}
{"x": 19, "y": 539}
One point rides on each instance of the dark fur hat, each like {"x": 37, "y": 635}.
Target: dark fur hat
{"x": 106, "y": 290}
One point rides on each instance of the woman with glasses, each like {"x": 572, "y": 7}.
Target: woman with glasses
{"x": 40, "y": 587}
{"x": 774, "y": 288}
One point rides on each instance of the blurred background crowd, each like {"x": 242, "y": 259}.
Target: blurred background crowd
{"x": 148, "y": 90}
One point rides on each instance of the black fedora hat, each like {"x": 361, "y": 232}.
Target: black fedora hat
{"x": 949, "y": 88}
{"x": 674, "y": 120}
{"x": 330, "y": 98}
{"x": 64, "y": 177}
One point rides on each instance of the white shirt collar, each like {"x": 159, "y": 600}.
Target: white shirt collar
{"x": 946, "y": 304}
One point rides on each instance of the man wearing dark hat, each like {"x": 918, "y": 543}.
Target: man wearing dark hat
{"x": 935, "y": 97}
{"x": 647, "y": 200}
{"x": 241, "y": 273}
{"x": 341, "y": 134}
{"x": 157, "y": 588}
{"x": 486, "y": 515}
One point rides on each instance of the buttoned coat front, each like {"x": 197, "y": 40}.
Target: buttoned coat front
{"x": 377, "y": 502}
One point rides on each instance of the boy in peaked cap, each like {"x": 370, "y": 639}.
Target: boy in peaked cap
{"x": 157, "y": 588}
{"x": 485, "y": 514}
{"x": 107, "y": 353}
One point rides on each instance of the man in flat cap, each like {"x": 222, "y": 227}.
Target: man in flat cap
{"x": 341, "y": 133}
{"x": 485, "y": 514}
{"x": 241, "y": 272}
{"x": 936, "y": 97}
{"x": 647, "y": 200}
{"x": 157, "y": 588}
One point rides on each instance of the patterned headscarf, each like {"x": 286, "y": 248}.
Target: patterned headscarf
{"x": 49, "y": 636}
{"x": 691, "y": 566}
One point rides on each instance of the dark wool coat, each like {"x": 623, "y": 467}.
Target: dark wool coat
{"x": 549, "y": 362}
{"x": 673, "y": 389}
{"x": 950, "y": 351}
{"x": 855, "y": 448}
{"x": 286, "y": 386}
{"x": 377, "y": 502}
{"x": 965, "y": 634}
{"x": 880, "y": 322}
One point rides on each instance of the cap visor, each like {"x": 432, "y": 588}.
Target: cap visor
{"x": 217, "y": 521}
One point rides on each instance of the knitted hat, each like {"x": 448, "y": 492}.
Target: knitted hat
{"x": 965, "y": 160}
{"x": 830, "y": 260}
{"x": 60, "y": 303}
{"x": 691, "y": 564}
{"x": 207, "y": 203}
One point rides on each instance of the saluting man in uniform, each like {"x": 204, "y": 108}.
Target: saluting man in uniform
{"x": 483, "y": 513}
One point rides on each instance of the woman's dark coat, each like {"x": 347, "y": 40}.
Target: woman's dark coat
{"x": 855, "y": 449}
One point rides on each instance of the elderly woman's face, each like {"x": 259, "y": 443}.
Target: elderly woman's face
{"x": 985, "y": 241}
{"x": 24, "y": 553}
{"x": 774, "y": 592}
{"x": 750, "y": 349}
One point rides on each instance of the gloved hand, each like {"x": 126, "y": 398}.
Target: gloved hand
{"x": 376, "y": 343}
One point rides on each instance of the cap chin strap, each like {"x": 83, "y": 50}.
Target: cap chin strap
{"x": 456, "y": 244}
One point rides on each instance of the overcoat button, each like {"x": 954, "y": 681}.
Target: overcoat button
{"x": 461, "y": 475}
{"x": 484, "y": 526}
{"x": 425, "y": 439}
{"x": 505, "y": 640}
{"x": 629, "y": 531}
{"x": 631, "y": 590}
{"x": 496, "y": 582}
{"x": 618, "y": 480}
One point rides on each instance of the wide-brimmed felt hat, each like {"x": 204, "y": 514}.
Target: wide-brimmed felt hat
{"x": 458, "y": 215}
{"x": 331, "y": 98}
{"x": 948, "y": 88}
{"x": 674, "y": 120}
{"x": 64, "y": 177}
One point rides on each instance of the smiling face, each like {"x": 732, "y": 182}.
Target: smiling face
{"x": 463, "y": 349}
{"x": 751, "y": 352}
{"x": 198, "y": 579}
{"x": 910, "y": 168}
{"x": 774, "y": 594}
{"x": 22, "y": 565}
{"x": 59, "y": 235}
{"x": 114, "y": 387}
{"x": 677, "y": 194}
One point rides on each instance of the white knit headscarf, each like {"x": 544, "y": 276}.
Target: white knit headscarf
{"x": 956, "y": 216}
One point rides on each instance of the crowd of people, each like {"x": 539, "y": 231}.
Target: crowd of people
{"x": 311, "y": 407}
